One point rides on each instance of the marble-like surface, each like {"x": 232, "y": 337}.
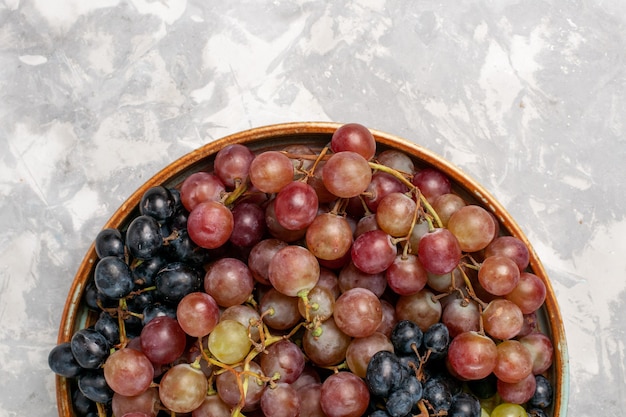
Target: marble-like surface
{"x": 527, "y": 97}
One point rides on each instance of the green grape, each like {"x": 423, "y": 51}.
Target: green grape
{"x": 508, "y": 410}
{"x": 229, "y": 342}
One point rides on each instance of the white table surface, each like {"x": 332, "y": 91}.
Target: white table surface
{"x": 526, "y": 97}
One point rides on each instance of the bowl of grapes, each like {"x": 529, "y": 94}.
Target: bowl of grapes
{"x": 311, "y": 269}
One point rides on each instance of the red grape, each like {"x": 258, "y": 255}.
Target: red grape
{"x": 346, "y": 174}
{"x": 354, "y": 137}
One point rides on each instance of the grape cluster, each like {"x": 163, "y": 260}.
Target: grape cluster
{"x": 331, "y": 282}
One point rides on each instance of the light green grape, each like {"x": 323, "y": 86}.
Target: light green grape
{"x": 509, "y": 410}
{"x": 229, "y": 342}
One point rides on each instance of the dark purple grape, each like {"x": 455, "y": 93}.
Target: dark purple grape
{"x": 113, "y": 277}
{"x": 145, "y": 271}
{"x": 399, "y": 403}
{"x": 108, "y": 326}
{"x": 436, "y": 339}
{"x": 384, "y": 372}
{"x": 157, "y": 310}
{"x": 157, "y": 202}
{"x": 109, "y": 242}
{"x": 83, "y": 406}
{"x": 406, "y": 337}
{"x": 438, "y": 394}
{"x": 90, "y": 348}
{"x": 62, "y": 362}
{"x": 177, "y": 280}
{"x": 143, "y": 237}
{"x": 182, "y": 248}
{"x": 464, "y": 405}
{"x": 137, "y": 303}
{"x": 93, "y": 386}
{"x": 92, "y": 297}
{"x": 542, "y": 397}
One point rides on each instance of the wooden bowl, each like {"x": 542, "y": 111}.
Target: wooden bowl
{"x": 76, "y": 315}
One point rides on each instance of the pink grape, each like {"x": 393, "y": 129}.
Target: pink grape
{"x": 200, "y": 187}
{"x": 354, "y": 137}
{"x": 529, "y": 293}
{"x": 280, "y": 400}
{"x": 293, "y": 270}
{"x": 395, "y": 214}
{"x": 541, "y": 350}
{"x": 270, "y": 171}
{"x": 406, "y": 275}
{"x": 461, "y": 315}
{"x": 397, "y": 160}
{"x": 514, "y": 362}
{"x": 146, "y": 402}
{"x": 344, "y": 395}
{"x": 346, "y": 174}
{"x": 212, "y": 406}
{"x": 163, "y": 340}
{"x": 517, "y": 392}
{"x": 284, "y": 310}
{"x": 502, "y": 319}
{"x": 498, "y": 275}
{"x": 327, "y": 348}
{"x": 248, "y": 224}
{"x": 183, "y": 388}
{"x": 352, "y": 277}
{"x": 358, "y": 312}
{"x": 511, "y": 247}
{"x": 473, "y": 226}
{"x": 432, "y": 183}
{"x": 229, "y": 281}
{"x": 309, "y": 396}
{"x": 361, "y": 350}
{"x": 421, "y": 308}
{"x": 296, "y": 205}
{"x": 373, "y": 252}
{"x": 232, "y": 164}
{"x": 197, "y": 313}
{"x": 472, "y": 355}
{"x": 283, "y": 358}
{"x": 210, "y": 224}
{"x": 439, "y": 251}
{"x": 381, "y": 185}
{"x": 446, "y": 205}
{"x": 329, "y": 236}
{"x": 128, "y": 372}
{"x": 260, "y": 256}
{"x": 228, "y": 389}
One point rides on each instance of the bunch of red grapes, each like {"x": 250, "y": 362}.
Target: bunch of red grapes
{"x": 266, "y": 285}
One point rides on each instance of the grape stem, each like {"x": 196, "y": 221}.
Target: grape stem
{"x": 397, "y": 174}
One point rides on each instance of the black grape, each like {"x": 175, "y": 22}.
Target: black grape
{"x": 93, "y": 386}
{"x": 109, "y": 242}
{"x": 406, "y": 337}
{"x": 177, "y": 280}
{"x": 542, "y": 397}
{"x": 157, "y": 202}
{"x": 62, "y": 362}
{"x": 90, "y": 348}
{"x": 143, "y": 237}
{"x": 108, "y": 326}
{"x": 464, "y": 405}
{"x": 113, "y": 277}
